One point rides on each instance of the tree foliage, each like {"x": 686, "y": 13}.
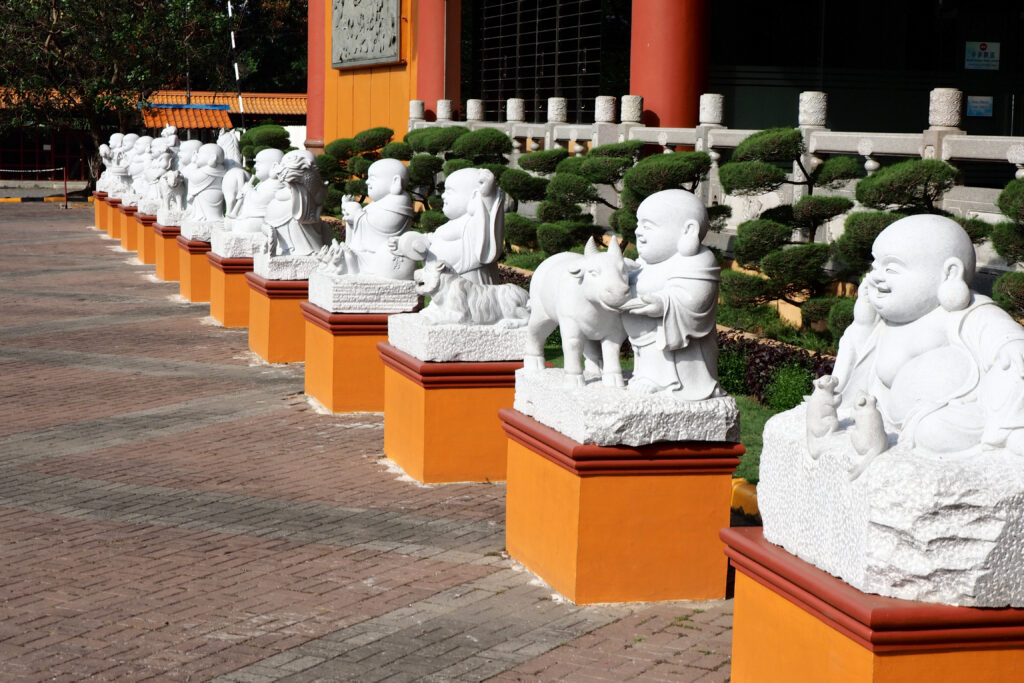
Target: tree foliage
{"x": 912, "y": 186}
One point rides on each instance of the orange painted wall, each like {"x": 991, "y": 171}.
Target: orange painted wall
{"x": 361, "y": 98}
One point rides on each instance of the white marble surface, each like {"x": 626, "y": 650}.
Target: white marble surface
{"x": 284, "y": 267}
{"x": 934, "y": 528}
{"x": 455, "y": 342}
{"x": 608, "y": 416}
{"x": 361, "y": 294}
{"x": 229, "y": 244}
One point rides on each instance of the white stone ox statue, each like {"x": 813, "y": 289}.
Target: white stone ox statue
{"x": 581, "y": 295}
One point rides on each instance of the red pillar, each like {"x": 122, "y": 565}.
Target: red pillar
{"x": 316, "y": 59}
{"x": 669, "y": 59}
{"x": 430, "y": 53}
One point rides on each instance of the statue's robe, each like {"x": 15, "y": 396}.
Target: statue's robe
{"x": 948, "y": 399}
{"x": 678, "y": 351}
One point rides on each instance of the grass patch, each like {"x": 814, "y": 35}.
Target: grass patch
{"x": 764, "y": 321}
{"x": 753, "y": 415}
{"x": 527, "y": 260}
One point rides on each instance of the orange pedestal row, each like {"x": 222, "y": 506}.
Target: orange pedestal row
{"x": 194, "y": 269}
{"x": 617, "y": 523}
{"x": 145, "y": 238}
{"x": 344, "y": 370}
{"x": 114, "y": 218}
{"x": 229, "y": 291}
{"x": 441, "y": 419}
{"x": 165, "y": 246}
{"x": 793, "y": 622}
{"x": 129, "y": 234}
{"x": 276, "y": 329}
{"x": 99, "y": 206}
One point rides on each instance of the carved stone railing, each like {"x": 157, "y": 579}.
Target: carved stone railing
{"x": 942, "y": 139}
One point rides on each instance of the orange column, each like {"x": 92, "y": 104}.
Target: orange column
{"x": 315, "y": 75}
{"x": 438, "y": 37}
{"x": 669, "y": 59}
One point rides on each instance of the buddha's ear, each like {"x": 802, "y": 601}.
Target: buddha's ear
{"x": 954, "y": 294}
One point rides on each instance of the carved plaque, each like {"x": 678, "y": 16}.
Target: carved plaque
{"x": 365, "y": 32}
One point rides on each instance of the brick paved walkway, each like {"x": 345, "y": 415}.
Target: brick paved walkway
{"x": 173, "y": 509}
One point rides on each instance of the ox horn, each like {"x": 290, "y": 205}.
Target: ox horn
{"x": 591, "y": 248}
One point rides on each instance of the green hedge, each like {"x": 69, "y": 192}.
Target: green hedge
{"x": 912, "y": 185}
{"x": 543, "y": 161}
{"x": 750, "y": 177}
{"x": 757, "y": 238}
{"x": 772, "y": 144}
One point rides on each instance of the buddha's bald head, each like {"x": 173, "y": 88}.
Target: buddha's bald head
{"x": 920, "y": 263}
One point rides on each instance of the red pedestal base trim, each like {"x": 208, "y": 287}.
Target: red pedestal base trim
{"x": 453, "y": 375}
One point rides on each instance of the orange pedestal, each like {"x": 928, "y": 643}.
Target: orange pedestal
{"x": 793, "y": 622}
{"x": 616, "y": 523}
{"x": 441, "y": 419}
{"x": 168, "y": 257}
{"x": 344, "y": 370}
{"x": 229, "y": 290}
{"x": 129, "y": 234}
{"x": 99, "y": 206}
{"x": 114, "y": 218}
{"x": 276, "y": 330}
{"x": 146, "y": 239}
{"x": 194, "y": 269}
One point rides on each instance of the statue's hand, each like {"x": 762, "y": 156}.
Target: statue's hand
{"x": 644, "y": 305}
{"x": 1011, "y": 357}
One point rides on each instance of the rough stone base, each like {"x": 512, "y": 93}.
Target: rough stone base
{"x": 943, "y": 529}
{"x": 168, "y": 217}
{"x": 199, "y": 231}
{"x": 611, "y": 416}
{"x": 455, "y": 342}
{"x": 284, "y": 267}
{"x": 236, "y": 245}
{"x": 362, "y": 294}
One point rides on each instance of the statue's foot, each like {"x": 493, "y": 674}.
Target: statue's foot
{"x": 612, "y": 380}
{"x": 574, "y": 381}
{"x": 642, "y": 385}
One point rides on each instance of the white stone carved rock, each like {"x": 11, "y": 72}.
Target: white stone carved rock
{"x": 712, "y": 109}
{"x": 516, "y": 109}
{"x": 471, "y": 241}
{"x": 670, "y": 317}
{"x": 604, "y": 109}
{"x": 455, "y": 342}
{"x": 444, "y": 110}
{"x": 362, "y": 293}
{"x": 632, "y": 108}
{"x": 455, "y": 299}
{"x": 580, "y": 294}
{"x": 287, "y": 267}
{"x": 417, "y": 109}
{"x": 108, "y": 153}
{"x": 255, "y": 195}
{"x": 595, "y": 413}
{"x": 558, "y": 110}
{"x": 229, "y": 244}
{"x": 919, "y": 493}
{"x": 369, "y": 230}
{"x": 944, "y": 107}
{"x": 474, "y": 110}
{"x": 204, "y": 209}
{"x": 813, "y": 108}
{"x": 292, "y": 219}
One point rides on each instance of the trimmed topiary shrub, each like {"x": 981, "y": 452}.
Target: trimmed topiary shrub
{"x": 840, "y": 316}
{"x": 1008, "y": 292}
{"x": 423, "y": 169}
{"x": 483, "y": 146}
{"x": 435, "y": 139}
{"x": 814, "y": 312}
{"x": 977, "y": 229}
{"x": 373, "y": 138}
{"x": 555, "y": 238}
{"x": 853, "y": 247}
{"x": 787, "y": 387}
{"x": 772, "y": 144}
{"x": 567, "y": 188}
{"x": 520, "y": 231}
{"x": 813, "y": 210}
{"x": 259, "y": 138}
{"x": 453, "y": 165}
{"x": 397, "y": 150}
{"x": 544, "y": 161}
{"x": 342, "y": 148}
{"x": 1011, "y": 201}
{"x": 569, "y": 165}
{"x": 628, "y": 150}
{"x": 837, "y": 171}
{"x": 523, "y": 186}
{"x": 797, "y": 270}
{"x": 604, "y": 170}
{"x": 742, "y": 289}
{"x": 914, "y": 186}
{"x": 429, "y": 221}
{"x": 750, "y": 178}
{"x": 666, "y": 172}
{"x": 757, "y": 238}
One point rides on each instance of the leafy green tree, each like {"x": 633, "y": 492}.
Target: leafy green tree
{"x": 912, "y": 186}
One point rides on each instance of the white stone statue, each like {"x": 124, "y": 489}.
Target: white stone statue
{"x": 172, "y": 198}
{"x": 205, "y": 202}
{"x": 137, "y": 169}
{"x": 161, "y": 162}
{"x": 108, "y": 151}
{"x": 292, "y": 219}
{"x": 186, "y": 159}
{"x": 913, "y": 487}
{"x": 119, "y": 184}
{"x": 581, "y": 295}
{"x": 471, "y": 241}
{"x": 369, "y": 230}
{"x": 455, "y": 299}
{"x": 671, "y": 318}
{"x": 170, "y": 136}
{"x": 256, "y": 194}
{"x": 235, "y": 177}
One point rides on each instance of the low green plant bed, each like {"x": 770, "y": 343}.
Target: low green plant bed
{"x": 753, "y": 415}
{"x": 764, "y": 321}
